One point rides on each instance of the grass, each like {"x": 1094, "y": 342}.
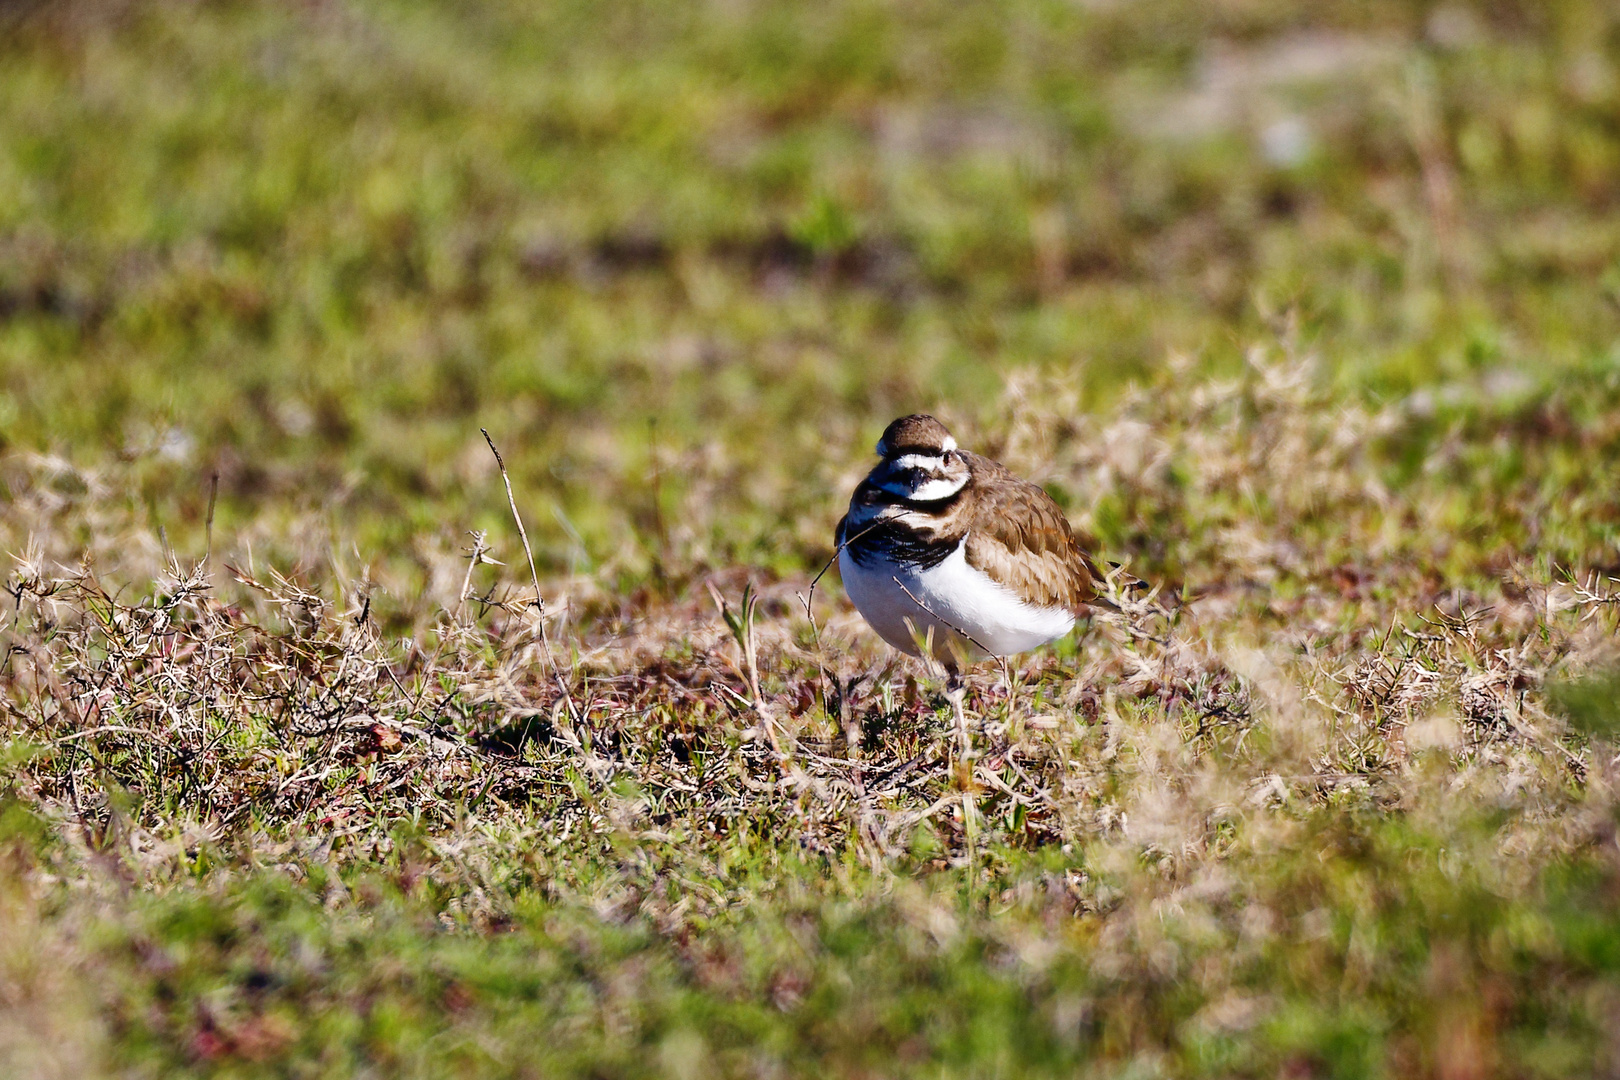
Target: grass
{"x": 1308, "y": 313}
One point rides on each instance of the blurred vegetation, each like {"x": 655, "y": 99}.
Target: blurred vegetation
{"x": 1311, "y": 311}
{"x": 314, "y": 247}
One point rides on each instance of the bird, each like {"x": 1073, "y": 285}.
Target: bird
{"x": 948, "y": 553}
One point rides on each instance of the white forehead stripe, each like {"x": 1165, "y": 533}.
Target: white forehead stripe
{"x": 919, "y": 461}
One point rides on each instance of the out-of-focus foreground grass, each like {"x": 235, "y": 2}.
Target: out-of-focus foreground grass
{"x": 1308, "y": 311}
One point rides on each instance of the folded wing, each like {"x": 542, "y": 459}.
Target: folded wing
{"x": 1020, "y": 537}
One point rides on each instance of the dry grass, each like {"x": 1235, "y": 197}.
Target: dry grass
{"x": 254, "y": 707}
{"x": 1150, "y": 784}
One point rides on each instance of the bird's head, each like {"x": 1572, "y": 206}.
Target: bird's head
{"x": 920, "y": 460}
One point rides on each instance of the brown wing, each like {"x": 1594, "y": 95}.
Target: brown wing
{"x": 1020, "y": 537}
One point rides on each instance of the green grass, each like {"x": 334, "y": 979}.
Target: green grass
{"x": 314, "y": 251}
{"x": 1308, "y": 312}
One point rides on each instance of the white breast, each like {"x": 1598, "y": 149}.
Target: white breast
{"x": 953, "y": 596}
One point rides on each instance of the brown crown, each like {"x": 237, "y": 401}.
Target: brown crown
{"x": 918, "y": 433}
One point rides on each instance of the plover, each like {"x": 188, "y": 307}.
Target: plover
{"x": 946, "y": 551}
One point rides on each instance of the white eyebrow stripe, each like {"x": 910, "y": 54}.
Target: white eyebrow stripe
{"x": 948, "y": 445}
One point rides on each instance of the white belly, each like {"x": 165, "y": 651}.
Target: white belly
{"x": 949, "y": 597}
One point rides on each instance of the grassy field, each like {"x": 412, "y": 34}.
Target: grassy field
{"x": 1309, "y": 313}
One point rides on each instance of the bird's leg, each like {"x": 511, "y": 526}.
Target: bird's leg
{"x": 955, "y": 693}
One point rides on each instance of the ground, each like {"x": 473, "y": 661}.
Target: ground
{"x": 1305, "y": 313}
